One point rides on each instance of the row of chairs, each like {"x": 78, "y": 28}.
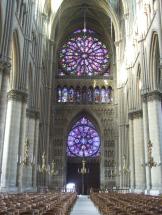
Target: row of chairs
{"x": 113, "y": 203}
{"x": 36, "y": 203}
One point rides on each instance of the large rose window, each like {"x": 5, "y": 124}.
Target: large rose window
{"x": 84, "y": 54}
{"x": 83, "y": 139}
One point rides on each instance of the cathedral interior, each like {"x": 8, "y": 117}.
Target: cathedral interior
{"x": 81, "y": 95}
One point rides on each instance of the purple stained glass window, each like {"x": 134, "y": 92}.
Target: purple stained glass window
{"x": 83, "y": 139}
{"x": 84, "y": 54}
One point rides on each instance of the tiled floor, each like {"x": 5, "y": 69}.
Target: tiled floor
{"x": 84, "y": 206}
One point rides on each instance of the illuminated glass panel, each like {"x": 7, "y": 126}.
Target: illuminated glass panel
{"x": 90, "y": 94}
{"x": 103, "y": 95}
{"x": 78, "y": 95}
{"x": 97, "y": 95}
{"x": 84, "y": 95}
{"x": 83, "y": 139}
{"x": 64, "y": 94}
{"x": 71, "y": 94}
{"x": 109, "y": 95}
{"x": 84, "y": 54}
{"x": 59, "y": 94}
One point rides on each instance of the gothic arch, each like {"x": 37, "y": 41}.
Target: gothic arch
{"x": 94, "y": 129}
{"x": 155, "y": 74}
{"x": 103, "y": 6}
{"x": 90, "y": 116}
{"x": 15, "y": 60}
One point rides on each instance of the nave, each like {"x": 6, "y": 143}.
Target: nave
{"x": 84, "y": 206}
{"x": 68, "y": 203}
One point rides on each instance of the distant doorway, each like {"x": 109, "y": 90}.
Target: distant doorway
{"x": 91, "y": 180}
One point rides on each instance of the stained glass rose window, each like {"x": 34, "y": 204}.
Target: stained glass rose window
{"x": 83, "y": 139}
{"x": 84, "y": 54}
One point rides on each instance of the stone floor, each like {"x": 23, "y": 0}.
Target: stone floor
{"x": 84, "y": 206}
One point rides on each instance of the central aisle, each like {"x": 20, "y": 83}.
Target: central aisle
{"x": 84, "y": 206}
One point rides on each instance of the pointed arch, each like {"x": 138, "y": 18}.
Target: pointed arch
{"x": 83, "y": 138}
{"x": 155, "y": 73}
{"x": 90, "y": 115}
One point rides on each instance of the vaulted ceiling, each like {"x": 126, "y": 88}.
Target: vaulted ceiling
{"x": 99, "y": 16}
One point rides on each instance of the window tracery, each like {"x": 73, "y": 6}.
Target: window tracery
{"x": 84, "y": 55}
{"x": 83, "y": 139}
{"x": 88, "y": 95}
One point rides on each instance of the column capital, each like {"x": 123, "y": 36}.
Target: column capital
{"x": 154, "y": 95}
{"x": 17, "y": 95}
{"x": 135, "y": 114}
{"x": 32, "y": 113}
{"x": 144, "y": 98}
{"x": 5, "y": 63}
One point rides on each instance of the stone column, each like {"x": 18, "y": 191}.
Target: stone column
{"x": 155, "y": 131}
{"x": 102, "y": 167}
{"x": 13, "y": 136}
{"x": 27, "y": 169}
{"x": 4, "y": 85}
{"x": 146, "y": 140}
{"x": 120, "y": 158}
{"x": 36, "y": 152}
{"x": 32, "y": 136}
{"x": 131, "y": 153}
{"x": 138, "y": 152}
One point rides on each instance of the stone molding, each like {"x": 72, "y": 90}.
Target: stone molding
{"x": 5, "y": 64}
{"x": 31, "y": 113}
{"x": 135, "y": 114}
{"x": 155, "y": 95}
{"x": 151, "y": 96}
{"x": 17, "y": 95}
{"x": 144, "y": 98}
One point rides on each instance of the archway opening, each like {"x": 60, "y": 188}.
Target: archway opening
{"x": 83, "y": 153}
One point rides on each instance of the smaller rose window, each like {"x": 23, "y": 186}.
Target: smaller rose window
{"x": 83, "y": 139}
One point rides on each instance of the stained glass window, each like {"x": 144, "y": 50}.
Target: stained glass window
{"x": 83, "y": 139}
{"x": 109, "y": 94}
{"x": 103, "y": 95}
{"x": 59, "y": 94}
{"x": 84, "y": 95}
{"x": 71, "y": 94}
{"x": 64, "y": 94}
{"x": 90, "y": 94}
{"x": 84, "y": 54}
{"x": 97, "y": 95}
{"x": 77, "y": 95}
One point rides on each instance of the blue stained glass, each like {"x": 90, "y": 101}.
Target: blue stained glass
{"x": 71, "y": 94}
{"x": 59, "y": 94}
{"x": 103, "y": 95}
{"x": 84, "y": 54}
{"x": 83, "y": 139}
{"x": 64, "y": 95}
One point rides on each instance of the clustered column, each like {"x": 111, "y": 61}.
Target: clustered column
{"x": 14, "y": 135}
{"x": 155, "y": 134}
{"x": 136, "y": 151}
